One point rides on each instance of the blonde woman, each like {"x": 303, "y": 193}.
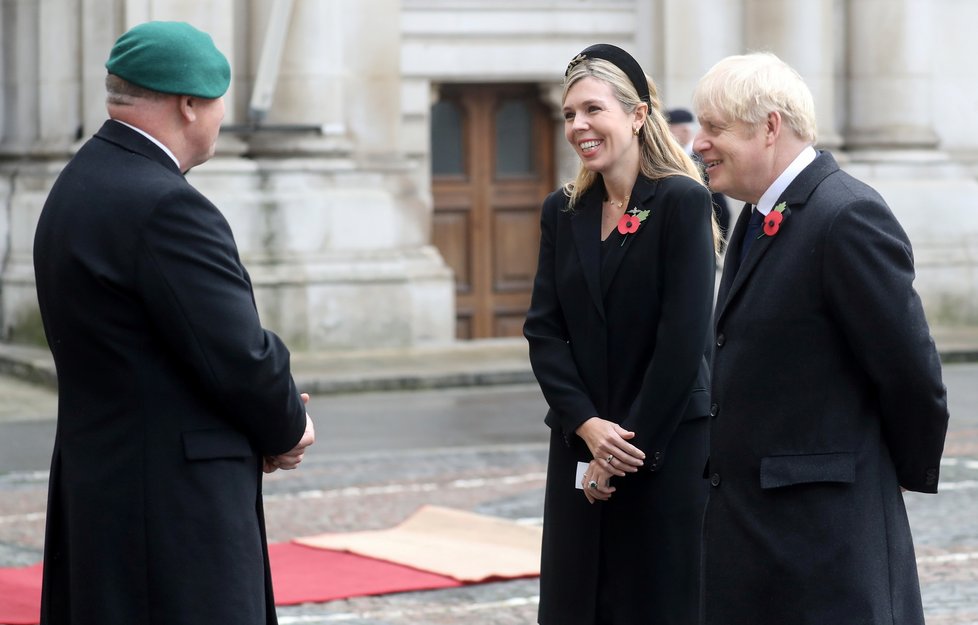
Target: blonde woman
{"x": 619, "y": 331}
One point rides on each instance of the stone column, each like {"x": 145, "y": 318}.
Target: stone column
{"x": 893, "y": 144}
{"x": 309, "y": 90}
{"x": 566, "y": 160}
{"x": 4, "y": 184}
{"x": 41, "y": 122}
{"x": 4, "y": 60}
{"x": 331, "y": 219}
{"x": 890, "y": 72}
{"x": 800, "y": 32}
{"x": 695, "y": 35}
{"x": 59, "y": 81}
{"x": 6, "y": 34}
{"x": 21, "y": 61}
{"x": 339, "y": 77}
{"x": 100, "y": 27}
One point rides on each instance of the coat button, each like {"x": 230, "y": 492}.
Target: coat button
{"x": 656, "y": 460}
{"x": 715, "y": 479}
{"x": 714, "y": 409}
{"x": 721, "y": 339}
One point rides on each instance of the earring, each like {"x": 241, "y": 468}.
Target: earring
{"x": 635, "y": 131}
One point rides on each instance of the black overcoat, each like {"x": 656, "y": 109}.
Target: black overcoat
{"x": 169, "y": 393}
{"x": 827, "y": 398}
{"x": 624, "y": 339}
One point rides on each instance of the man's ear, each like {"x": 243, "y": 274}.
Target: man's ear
{"x": 187, "y": 106}
{"x": 772, "y": 127}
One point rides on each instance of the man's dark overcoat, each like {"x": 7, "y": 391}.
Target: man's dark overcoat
{"x": 827, "y": 398}
{"x": 623, "y": 338}
{"x": 169, "y": 394}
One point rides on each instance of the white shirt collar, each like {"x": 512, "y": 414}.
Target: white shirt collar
{"x": 154, "y": 140}
{"x": 803, "y": 160}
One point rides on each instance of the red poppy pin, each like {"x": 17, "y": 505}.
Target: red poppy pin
{"x": 772, "y": 222}
{"x": 630, "y": 221}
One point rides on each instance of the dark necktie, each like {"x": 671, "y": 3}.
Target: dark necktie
{"x": 753, "y": 229}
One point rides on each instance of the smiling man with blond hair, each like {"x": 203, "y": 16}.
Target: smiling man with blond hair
{"x": 826, "y": 392}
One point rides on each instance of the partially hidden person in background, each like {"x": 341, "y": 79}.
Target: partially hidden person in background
{"x": 618, "y": 329}
{"x": 172, "y": 398}
{"x": 827, "y": 390}
{"x": 681, "y": 125}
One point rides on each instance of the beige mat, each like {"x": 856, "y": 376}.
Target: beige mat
{"x": 466, "y": 546}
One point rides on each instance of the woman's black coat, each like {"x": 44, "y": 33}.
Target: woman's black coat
{"x": 623, "y": 338}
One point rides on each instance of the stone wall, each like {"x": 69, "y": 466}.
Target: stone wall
{"x": 330, "y": 199}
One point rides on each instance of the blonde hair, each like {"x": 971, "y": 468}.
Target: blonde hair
{"x": 660, "y": 155}
{"x": 747, "y": 87}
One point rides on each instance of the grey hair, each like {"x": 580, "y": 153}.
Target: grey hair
{"x": 121, "y": 92}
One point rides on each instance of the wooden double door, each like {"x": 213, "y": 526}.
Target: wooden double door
{"x": 492, "y": 165}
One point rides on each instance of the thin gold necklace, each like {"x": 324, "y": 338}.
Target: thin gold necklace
{"x": 619, "y": 204}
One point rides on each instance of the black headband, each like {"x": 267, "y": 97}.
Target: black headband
{"x": 620, "y": 59}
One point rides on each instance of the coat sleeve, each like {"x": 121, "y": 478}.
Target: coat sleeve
{"x": 546, "y": 332}
{"x": 688, "y": 276}
{"x": 199, "y": 296}
{"x": 868, "y": 279}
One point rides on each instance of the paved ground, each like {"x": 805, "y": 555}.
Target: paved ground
{"x": 381, "y": 455}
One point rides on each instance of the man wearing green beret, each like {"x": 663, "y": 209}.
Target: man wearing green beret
{"x": 172, "y": 397}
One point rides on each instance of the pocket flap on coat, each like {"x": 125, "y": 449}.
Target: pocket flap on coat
{"x": 210, "y": 444}
{"x": 777, "y": 471}
{"x": 698, "y": 406}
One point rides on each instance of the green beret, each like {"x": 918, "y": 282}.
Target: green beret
{"x": 170, "y": 57}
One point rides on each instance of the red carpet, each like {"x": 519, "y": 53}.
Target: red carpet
{"x": 306, "y": 574}
{"x": 433, "y": 548}
{"x": 20, "y": 595}
{"x": 299, "y": 575}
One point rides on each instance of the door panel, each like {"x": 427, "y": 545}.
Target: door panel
{"x": 492, "y": 165}
{"x": 514, "y": 232}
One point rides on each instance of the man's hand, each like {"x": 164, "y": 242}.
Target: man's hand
{"x": 291, "y": 459}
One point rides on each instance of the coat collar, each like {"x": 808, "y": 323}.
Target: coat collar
{"x": 586, "y": 227}
{"x": 128, "y": 139}
{"x": 795, "y": 197}
{"x": 804, "y": 185}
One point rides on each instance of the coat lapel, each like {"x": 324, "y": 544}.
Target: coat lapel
{"x": 795, "y": 197}
{"x": 733, "y": 256}
{"x": 754, "y": 255}
{"x": 586, "y": 227}
{"x": 641, "y": 197}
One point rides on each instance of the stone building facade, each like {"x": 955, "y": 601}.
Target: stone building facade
{"x": 383, "y": 161}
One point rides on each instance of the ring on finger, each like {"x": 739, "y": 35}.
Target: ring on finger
{"x": 609, "y": 458}
{"x": 592, "y": 485}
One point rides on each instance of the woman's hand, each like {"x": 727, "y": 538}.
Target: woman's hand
{"x": 613, "y": 456}
{"x": 597, "y": 482}
{"x": 609, "y": 445}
